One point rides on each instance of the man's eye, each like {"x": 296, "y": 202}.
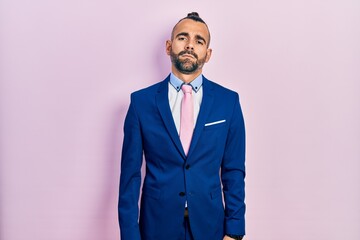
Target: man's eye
{"x": 181, "y": 38}
{"x": 200, "y": 42}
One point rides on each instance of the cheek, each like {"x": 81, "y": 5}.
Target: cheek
{"x": 202, "y": 54}
{"x": 177, "y": 49}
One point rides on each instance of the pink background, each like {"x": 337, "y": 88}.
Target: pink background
{"x": 67, "y": 69}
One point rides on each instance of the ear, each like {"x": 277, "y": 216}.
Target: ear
{"x": 168, "y": 47}
{"x": 208, "y": 54}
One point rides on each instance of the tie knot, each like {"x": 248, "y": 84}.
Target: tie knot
{"x": 186, "y": 88}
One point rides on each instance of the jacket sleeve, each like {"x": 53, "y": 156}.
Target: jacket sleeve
{"x": 233, "y": 173}
{"x": 130, "y": 177}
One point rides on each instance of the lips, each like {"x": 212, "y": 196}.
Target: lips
{"x": 188, "y": 55}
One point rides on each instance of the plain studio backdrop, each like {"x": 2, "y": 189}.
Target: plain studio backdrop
{"x": 67, "y": 69}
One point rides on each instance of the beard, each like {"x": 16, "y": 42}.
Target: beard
{"x": 187, "y": 66}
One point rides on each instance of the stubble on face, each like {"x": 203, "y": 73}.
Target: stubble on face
{"x": 187, "y": 66}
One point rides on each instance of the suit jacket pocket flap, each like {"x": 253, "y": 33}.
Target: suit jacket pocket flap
{"x": 215, "y": 193}
{"x": 151, "y": 192}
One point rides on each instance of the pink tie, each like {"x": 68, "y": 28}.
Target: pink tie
{"x": 186, "y": 118}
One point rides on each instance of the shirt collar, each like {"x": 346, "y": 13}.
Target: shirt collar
{"x": 177, "y": 83}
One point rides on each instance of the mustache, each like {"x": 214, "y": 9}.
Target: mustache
{"x": 189, "y": 53}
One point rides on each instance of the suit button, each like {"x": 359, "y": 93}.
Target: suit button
{"x": 181, "y": 194}
{"x": 187, "y": 167}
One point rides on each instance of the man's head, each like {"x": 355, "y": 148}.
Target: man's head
{"x": 195, "y": 17}
{"x": 189, "y": 45}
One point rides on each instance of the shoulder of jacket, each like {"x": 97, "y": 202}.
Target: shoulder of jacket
{"x": 221, "y": 89}
{"x": 146, "y": 91}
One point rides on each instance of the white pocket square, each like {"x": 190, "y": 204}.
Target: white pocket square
{"x": 213, "y": 123}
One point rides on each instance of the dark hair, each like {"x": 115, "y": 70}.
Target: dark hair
{"x": 195, "y": 17}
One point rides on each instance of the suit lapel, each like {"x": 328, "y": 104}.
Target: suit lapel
{"x": 162, "y": 101}
{"x": 206, "y": 103}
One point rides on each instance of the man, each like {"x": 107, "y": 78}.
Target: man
{"x": 191, "y": 131}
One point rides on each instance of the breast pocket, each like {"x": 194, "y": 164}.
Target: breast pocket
{"x": 215, "y": 125}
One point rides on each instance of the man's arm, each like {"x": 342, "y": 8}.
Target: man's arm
{"x": 130, "y": 178}
{"x": 233, "y": 174}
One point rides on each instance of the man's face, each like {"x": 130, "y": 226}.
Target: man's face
{"x": 188, "y": 48}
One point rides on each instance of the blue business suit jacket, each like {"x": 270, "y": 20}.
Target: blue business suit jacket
{"x": 215, "y": 164}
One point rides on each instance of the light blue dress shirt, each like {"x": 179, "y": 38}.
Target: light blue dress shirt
{"x": 176, "y": 95}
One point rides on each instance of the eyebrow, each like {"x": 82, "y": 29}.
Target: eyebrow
{"x": 187, "y": 35}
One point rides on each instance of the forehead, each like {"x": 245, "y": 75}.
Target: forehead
{"x": 192, "y": 27}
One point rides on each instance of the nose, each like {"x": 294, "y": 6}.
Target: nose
{"x": 189, "y": 46}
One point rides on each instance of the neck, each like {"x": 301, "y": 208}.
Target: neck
{"x": 187, "y": 78}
